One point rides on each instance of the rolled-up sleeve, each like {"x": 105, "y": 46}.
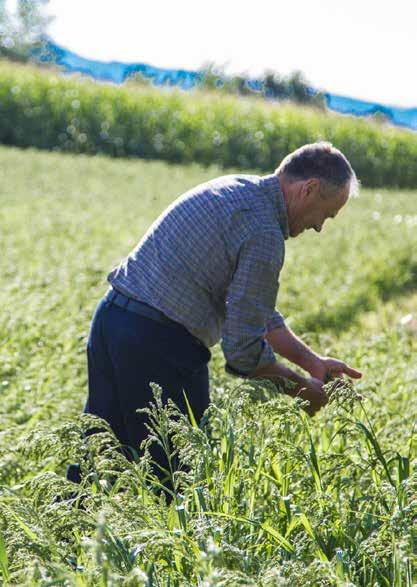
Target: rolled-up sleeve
{"x": 250, "y": 303}
{"x": 275, "y": 321}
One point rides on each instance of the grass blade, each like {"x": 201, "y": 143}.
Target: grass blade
{"x": 4, "y": 563}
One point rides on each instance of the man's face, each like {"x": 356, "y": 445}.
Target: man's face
{"x": 315, "y": 206}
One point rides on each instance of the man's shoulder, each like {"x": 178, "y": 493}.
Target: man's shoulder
{"x": 220, "y": 196}
{"x": 237, "y": 183}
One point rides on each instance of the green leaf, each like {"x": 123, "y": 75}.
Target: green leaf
{"x": 4, "y": 563}
{"x": 29, "y": 533}
{"x": 190, "y": 411}
{"x": 278, "y": 537}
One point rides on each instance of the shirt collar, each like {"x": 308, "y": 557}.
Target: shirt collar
{"x": 271, "y": 187}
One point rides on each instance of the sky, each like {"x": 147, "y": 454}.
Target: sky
{"x": 364, "y": 49}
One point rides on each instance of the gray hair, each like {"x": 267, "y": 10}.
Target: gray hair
{"x": 323, "y": 161}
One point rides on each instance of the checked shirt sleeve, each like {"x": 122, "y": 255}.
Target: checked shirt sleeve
{"x": 250, "y": 303}
{"x": 275, "y": 321}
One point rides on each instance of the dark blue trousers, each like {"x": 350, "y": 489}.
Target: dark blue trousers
{"x": 126, "y": 352}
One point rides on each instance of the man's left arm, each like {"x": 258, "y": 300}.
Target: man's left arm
{"x": 286, "y": 344}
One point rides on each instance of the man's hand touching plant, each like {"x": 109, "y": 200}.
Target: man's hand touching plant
{"x": 327, "y": 368}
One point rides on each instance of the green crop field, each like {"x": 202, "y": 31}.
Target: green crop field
{"x": 272, "y": 498}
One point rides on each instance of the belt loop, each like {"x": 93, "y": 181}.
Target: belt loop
{"x": 124, "y": 300}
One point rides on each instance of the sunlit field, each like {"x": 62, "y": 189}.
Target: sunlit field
{"x": 272, "y": 497}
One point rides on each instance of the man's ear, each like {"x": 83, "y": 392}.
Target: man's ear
{"x": 311, "y": 187}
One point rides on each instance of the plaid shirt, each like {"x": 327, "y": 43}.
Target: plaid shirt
{"x": 211, "y": 262}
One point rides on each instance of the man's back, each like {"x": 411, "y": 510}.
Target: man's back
{"x": 185, "y": 262}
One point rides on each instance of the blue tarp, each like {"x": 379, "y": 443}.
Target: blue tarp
{"x": 117, "y": 72}
{"x": 399, "y": 116}
{"x": 112, "y": 71}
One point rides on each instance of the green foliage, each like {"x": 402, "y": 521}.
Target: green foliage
{"x": 263, "y": 495}
{"x": 271, "y": 85}
{"x": 43, "y": 110}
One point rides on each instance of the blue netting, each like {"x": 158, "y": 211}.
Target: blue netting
{"x": 117, "y": 73}
{"x": 112, "y": 71}
{"x": 400, "y": 116}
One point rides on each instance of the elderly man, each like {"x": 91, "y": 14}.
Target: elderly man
{"x": 207, "y": 270}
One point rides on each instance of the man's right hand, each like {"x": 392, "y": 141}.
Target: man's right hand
{"x": 312, "y": 391}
